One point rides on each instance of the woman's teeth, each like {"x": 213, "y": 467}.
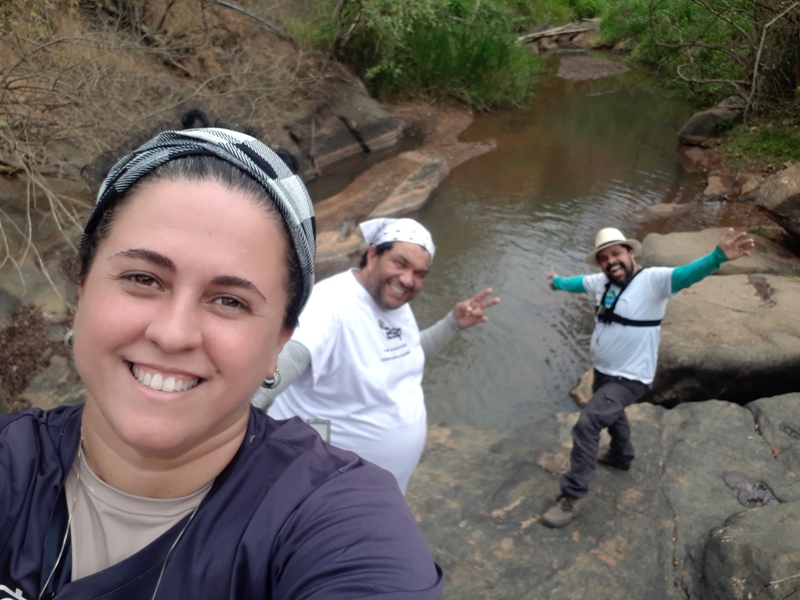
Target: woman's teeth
{"x": 160, "y": 383}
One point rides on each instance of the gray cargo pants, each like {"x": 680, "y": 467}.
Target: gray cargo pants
{"x": 606, "y": 408}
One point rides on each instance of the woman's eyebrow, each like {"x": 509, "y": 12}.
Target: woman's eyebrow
{"x": 240, "y": 282}
{"x": 160, "y": 260}
{"x": 150, "y": 256}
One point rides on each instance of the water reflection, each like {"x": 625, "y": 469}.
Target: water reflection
{"x": 588, "y": 154}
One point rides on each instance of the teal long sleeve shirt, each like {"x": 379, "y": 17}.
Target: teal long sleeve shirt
{"x": 682, "y": 277}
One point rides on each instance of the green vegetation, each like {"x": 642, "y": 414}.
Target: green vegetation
{"x": 772, "y": 141}
{"x": 456, "y": 49}
{"x": 710, "y": 49}
{"x": 714, "y": 49}
{"x": 704, "y": 50}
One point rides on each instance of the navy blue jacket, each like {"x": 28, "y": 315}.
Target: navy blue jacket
{"x": 288, "y": 518}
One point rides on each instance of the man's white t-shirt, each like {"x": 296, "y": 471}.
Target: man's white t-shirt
{"x": 625, "y": 350}
{"x": 365, "y": 375}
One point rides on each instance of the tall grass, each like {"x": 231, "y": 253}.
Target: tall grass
{"x": 470, "y": 64}
{"x": 441, "y": 49}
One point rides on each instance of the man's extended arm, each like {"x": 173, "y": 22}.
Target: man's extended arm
{"x": 293, "y": 360}
{"x": 731, "y": 246}
{"x": 438, "y": 335}
{"x": 465, "y": 314}
{"x": 567, "y": 284}
{"x": 691, "y": 273}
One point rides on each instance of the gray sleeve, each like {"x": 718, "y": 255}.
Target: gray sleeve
{"x": 292, "y": 362}
{"x": 438, "y": 335}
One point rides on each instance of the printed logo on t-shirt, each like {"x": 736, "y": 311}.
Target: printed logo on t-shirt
{"x": 392, "y": 333}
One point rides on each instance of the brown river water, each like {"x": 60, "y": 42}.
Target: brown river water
{"x": 588, "y": 154}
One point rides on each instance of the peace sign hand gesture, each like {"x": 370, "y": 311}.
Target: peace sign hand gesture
{"x": 470, "y": 312}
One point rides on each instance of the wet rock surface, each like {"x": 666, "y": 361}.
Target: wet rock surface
{"x": 705, "y": 124}
{"x": 710, "y": 505}
{"x": 750, "y": 492}
{"x": 780, "y": 196}
{"x": 656, "y": 531}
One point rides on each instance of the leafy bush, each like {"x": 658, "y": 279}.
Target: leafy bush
{"x": 710, "y": 48}
{"x": 586, "y": 9}
{"x": 456, "y": 49}
{"x": 525, "y": 14}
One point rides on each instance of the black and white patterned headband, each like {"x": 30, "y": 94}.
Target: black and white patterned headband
{"x": 244, "y": 152}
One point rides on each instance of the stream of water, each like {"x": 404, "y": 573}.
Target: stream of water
{"x": 587, "y": 154}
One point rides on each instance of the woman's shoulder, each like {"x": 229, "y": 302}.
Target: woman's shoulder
{"x": 37, "y": 419}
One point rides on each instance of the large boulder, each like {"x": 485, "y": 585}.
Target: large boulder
{"x": 756, "y": 552}
{"x": 735, "y": 334}
{"x": 479, "y": 495}
{"x": 346, "y": 123}
{"x": 779, "y": 195}
{"x": 754, "y": 555}
{"x": 675, "y": 249}
{"x": 734, "y": 337}
{"x": 706, "y": 124}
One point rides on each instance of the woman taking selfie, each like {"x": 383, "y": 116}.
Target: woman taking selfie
{"x": 193, "y": 269}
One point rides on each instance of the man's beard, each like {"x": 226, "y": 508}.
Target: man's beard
{"x": 626, "y": 276}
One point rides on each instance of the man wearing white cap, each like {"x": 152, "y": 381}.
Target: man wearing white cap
{"x": 631, "y": 302}
{"x": 354, "y": 365}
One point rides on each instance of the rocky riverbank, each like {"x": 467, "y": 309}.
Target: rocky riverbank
{"x": 709, "y": 509}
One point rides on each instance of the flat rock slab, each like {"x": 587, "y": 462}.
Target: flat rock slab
{"x": 674, "y": 249}
{"x": 479, "y": 495}
{"x": 588, "y": 67}
{"x": 734, "y": 337}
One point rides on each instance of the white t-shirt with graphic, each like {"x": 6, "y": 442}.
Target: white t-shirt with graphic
{"x": 625, "y": 350}
{"x": 365, "y": 375}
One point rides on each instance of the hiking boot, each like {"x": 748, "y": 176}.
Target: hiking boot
{"x": 605, "y": 459}
{"x": 562, "y": 512}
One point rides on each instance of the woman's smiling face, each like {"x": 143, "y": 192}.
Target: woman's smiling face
{"x": 180, "y": 318}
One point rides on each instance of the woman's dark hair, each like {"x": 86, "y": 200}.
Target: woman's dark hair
{"x": 197, "y": 168}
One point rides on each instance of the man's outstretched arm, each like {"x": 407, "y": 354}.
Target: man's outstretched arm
{"x": 567, "y": 284}
{"x": 293, "y": 360}
{"x": 731, "y": 246}
{"x": 465, "y": 314}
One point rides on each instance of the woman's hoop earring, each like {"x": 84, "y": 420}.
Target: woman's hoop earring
{"x": 274, "y": 382}
{"x": 68, "y": 339}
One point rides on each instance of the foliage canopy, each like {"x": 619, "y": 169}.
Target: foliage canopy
{"x": 458, "y": 49}
{"x": 714, "y": 48}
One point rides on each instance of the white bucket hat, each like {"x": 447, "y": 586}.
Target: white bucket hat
{"x": 610, "y": 236}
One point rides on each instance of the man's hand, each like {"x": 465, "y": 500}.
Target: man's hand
{"x": 735, "y": 245}
{"x": 551, "y": 275}
{"x": 470, "y": 312}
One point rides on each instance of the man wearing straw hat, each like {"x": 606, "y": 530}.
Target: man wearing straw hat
{"x": 631, "y": 302}
{"x": 354, "y": 365}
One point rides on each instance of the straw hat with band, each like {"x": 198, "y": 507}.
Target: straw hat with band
{"x": 610, "y": 236}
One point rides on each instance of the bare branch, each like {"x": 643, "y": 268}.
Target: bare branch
{"x": 726, "y": 51}
{"x": 757, "y": 64}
